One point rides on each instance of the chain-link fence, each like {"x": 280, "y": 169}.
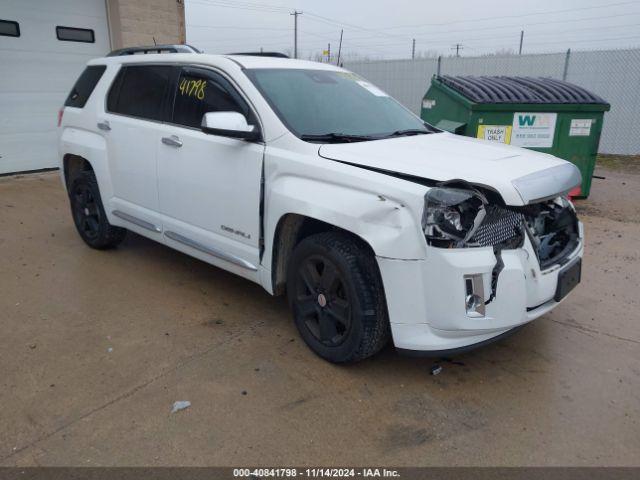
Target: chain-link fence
{"x": 612, "y": 74}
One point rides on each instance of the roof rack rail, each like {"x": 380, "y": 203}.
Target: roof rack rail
{"x": 154, "y": 49}
{"x": 261, "y": 54}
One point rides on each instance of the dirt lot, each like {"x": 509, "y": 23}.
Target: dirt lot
{"x": 96, "y": 347}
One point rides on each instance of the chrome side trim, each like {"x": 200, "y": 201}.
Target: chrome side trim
{"x": 137, "y": 221}
{"x": 548, "y": 183}
{"x": 210, "y": 251}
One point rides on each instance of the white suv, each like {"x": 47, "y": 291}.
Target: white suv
{"x": 310, "y": 181}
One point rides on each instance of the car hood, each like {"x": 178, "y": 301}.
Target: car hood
{"x": 520, "y": 176}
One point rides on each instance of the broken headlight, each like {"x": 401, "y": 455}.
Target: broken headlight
{"x": 452, "y": 215}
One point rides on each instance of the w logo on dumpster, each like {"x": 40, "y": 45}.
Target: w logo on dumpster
{"x": 526, "y": 120}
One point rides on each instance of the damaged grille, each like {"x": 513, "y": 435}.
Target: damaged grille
{"x": 552, "y": 228}
{"x": 499, "y": 226}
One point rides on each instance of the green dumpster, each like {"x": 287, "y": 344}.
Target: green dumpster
{"x": 542, "y": 114}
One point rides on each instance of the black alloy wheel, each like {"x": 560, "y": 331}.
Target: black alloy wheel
{"x": 86, "y": 212}
{"x": 322, "y": 301}
{"x": 337, "y": 298}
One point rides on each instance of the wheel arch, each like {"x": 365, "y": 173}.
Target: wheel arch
{"x": 82, "y": 149}
{"x": 290, "y": 230}
{"x": 72, "y": 165}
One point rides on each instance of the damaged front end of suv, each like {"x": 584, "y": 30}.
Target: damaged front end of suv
{"x": 467, "y": 217}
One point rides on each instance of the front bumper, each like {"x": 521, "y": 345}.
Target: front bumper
{"x": 426, "y": 298}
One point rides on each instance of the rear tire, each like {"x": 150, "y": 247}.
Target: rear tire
{"x": 337, "y": 298}
{"x": 88, "y": 213}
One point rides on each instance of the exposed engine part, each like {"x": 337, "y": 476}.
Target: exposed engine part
{"x": 552, "y": 227}
{"x": 553, "y": 230}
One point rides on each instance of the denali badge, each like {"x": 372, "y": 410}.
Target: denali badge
{"x": 235, "y": 232}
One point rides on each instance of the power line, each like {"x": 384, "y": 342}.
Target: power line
{"x": 609, "y": 5}
{"x": 237, "y": 27}
{"x": 236, "y": 40}
{"x": 330, "y": 21}
{"x": 274, "y": 8}
{"x": 333, "y": 22}
{"x": 239, "y": 6}
{"x": 589, "y": 40}
{"x": 442, "y": 39}
{"x": 378, "y": 34}
{"x": 519, "y": 26}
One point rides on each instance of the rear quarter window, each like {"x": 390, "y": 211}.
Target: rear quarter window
{"x": 84, "y": 86}
{"x": 140, "y": 90}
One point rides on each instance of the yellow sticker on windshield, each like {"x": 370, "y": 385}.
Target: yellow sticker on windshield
{"x": 371, "y": 88}
{"x": 349, "y": 75}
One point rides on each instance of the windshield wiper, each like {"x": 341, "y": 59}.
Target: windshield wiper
{"x": 407, "y": 132}
{"x": 334, "y": 137}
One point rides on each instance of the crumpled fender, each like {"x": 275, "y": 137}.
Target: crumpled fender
{"x": 373, "y": 212}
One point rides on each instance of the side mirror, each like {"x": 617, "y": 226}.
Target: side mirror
{"x": 229, "y": 124}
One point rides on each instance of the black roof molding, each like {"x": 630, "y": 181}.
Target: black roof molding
{"x": 261, "y": 54}
{"x": 520, "y": 90}
{"x": 154, "y": 49}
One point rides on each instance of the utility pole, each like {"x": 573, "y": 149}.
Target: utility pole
{"x": 295, "y": 32}
{"x": 521, "y": 39}
{"x": 328, "y": 53}
{"x": 413, "y": 50}
{"x": 566, "y": 65}
{"x": 457, "y": 47}
{"x": 339, "y": 48}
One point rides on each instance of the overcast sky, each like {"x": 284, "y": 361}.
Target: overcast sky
{"x": 385, "y": 28}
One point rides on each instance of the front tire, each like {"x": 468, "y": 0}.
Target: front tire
{"x": 336, "y": 295}
{"x": 88, "y": 213}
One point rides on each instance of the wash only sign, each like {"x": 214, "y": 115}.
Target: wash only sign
{"x": 533, "y": 129}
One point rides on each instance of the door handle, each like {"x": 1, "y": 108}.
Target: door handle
{"x": 104, "y": 125}
{"x": 172, "y": 141}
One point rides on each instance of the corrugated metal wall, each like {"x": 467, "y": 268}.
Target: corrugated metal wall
{"x": 612, "y": 74}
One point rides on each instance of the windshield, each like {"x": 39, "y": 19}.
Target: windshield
{"x": 333, "y": 106}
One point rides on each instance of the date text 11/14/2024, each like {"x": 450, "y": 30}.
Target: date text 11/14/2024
{"x": 315, "y": 473}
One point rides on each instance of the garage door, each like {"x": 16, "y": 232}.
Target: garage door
{"x": 43, "y": 48}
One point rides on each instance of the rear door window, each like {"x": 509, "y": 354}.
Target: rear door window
{"x": 84, "y": 86}
{"x": 201, "y": 91}
{"x": 140, "y": 91}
